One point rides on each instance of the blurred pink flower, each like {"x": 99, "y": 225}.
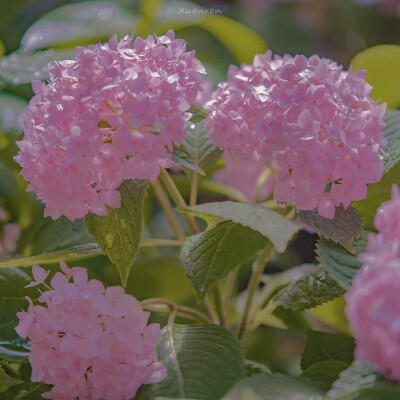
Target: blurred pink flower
{"x": 244, "y": 177}
{"x": 316, "y": 121}
{"x": 88, "y": 341}
{"x": 373, "y": 304}
{"x": 391, "y": 8}
{"x": 112, "y": 114}
{"x": 9, "y": 239}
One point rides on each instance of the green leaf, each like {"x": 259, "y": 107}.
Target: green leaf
{"x": 118, "y": 234}
{"x": 382, "y": 64}
{"x": 353, "y": 379}
{"x": 6, "y": 381}
{"x": 292, "y": 319}
{"x": 48, "y": 236}
{"x": 74, "y": 253}
{"x": 11, "y": 110}
{"x": 203, "y": 152}
{"x": 182, "y": 156}
{"x": 333, "y": 314}
{"x": 309, "y": 291}
{"x": 210, "y": 255}
{"x": 273, "y": 387}
{"x": 324, "y": 373}
{"x": 346, "y": 224}
{"x": 321, "y": 346}
{"x": 78, "y": 24}
{"x": 198, "y": 113}
{"x": 278, "y": 229}
{"x": 254, "y": 368}
{"x": 19, "y": 68}
{"x": 340, "y": 264}
{"x": 391, "y": 132}
{"x": 12, "y": 300}
{"x": 203, "y": 362}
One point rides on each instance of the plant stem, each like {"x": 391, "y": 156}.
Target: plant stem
{"x": 168, "y": 210}
{"x": 177, "y": 197}
{"x": 178, "y": 308}
{"x": 225, "y": 190}
{"x": 193, "y": 190}
{"x": 257, "y": 270}
{"x": 218, "y": 305}
{"x": 209, "y": 310}
{"x": 230, "y": 288}
{"x": 160, "y": 242}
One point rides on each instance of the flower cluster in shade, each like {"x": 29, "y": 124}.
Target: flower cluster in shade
{"x": 113, "y": 113}
{"x": 9, "y": 236}
{"x": 87, "y": 341}
{"x": 253, "y": 179}
{"x": 373, "y": 304}
{"x": 316, "y": 121}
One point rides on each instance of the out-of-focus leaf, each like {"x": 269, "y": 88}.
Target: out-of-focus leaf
{"x": 341, "y": 265}
{"x": 321, "y": 346}
{"x": 203, "y": 362}
{"x": 382, "y": 64}
{"x": 210, "y": 255}
{"x": 119, "y": 232}
{"x": 332, "y": 314}
{"x": 346, "y": 224}
{"x": 6, "y": 381}
{"x": 242, "y": 42}
{"x": 278, "y": 229}
{"x": 19, "y": 68}
{"x": 11, "y": 110}
{"x": 78, "y": 24}
{"x": 274, "y": 387}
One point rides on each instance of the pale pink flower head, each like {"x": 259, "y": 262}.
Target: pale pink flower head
{"x": 316, "y": 121}
{"x": 253, "y": 179}
{"x": 373, "y": 304}
{"x": 9, "y": 239}
{"x": 113, "y": 113}
{"x": 87, "y": 341}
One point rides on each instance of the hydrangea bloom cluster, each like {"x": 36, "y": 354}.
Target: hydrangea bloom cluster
{"x": 315, "y": 120}
{"x": 88, "y": 341}
{"x": 245, "y": 177}
{"x": 373, "y": 304}
{"x": 112, "y": 114}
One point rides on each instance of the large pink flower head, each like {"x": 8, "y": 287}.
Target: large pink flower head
{"x": 373, "y": 304}
{"x": 112, "y": 114}
{"x": 87, "y": 341}
{"x": 315, "y": 120}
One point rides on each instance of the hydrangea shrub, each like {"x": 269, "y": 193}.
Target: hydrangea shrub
{"x": 130, "y": 148}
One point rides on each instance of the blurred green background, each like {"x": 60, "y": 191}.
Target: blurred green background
{"x": 34, "y": 32}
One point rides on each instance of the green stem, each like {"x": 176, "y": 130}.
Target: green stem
{"x": 167, "y": 208}
{"x": 218, "y": 305}
{"x": 254, "y": 282}
{"x": 230, "y": 288}
{"x": 209, "y": 310}
{"x": 178, "y": 308}
{"x": 160, "y": 242}
{"x": 224, "y": 190}
{"x": 177, "y": 197}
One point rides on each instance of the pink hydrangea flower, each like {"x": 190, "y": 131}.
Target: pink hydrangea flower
{"x": 87, "y": 341}
{"x": 316, "y": 121}
{"x": 9, "y": 239}
{"x": 111, "y": 114}
{"x": 245, "y": 177}
{"x": 373, "y": 304}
